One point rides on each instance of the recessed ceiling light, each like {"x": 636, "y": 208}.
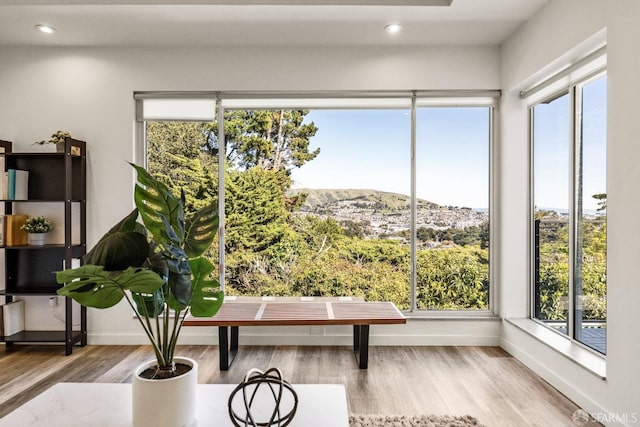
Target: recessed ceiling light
{"x": 45, "y": 29}
{"x": 393, "y": 28}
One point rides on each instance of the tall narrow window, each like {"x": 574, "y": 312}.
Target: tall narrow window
{"x": 452, "y": 187}
{"x": 551, "y": 170}
{"x": 181, "y": 150}
{"x": 591, "y": 220}
{"x": 569, "y": 202}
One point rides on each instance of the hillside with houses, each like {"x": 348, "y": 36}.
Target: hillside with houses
{"x": 384, "y": 213}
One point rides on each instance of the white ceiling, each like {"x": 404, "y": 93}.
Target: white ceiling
{"x": 260, "y": 22}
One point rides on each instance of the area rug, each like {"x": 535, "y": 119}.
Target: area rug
{"x": 413, "y": 421}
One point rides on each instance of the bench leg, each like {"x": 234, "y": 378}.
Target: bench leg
{"x": 227, "y": 352}
{"x": 361, "y": 345}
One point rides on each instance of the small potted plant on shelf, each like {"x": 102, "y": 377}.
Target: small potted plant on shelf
{"x": 58, "y": 139}
{"x": 37, "y": 227}
{"x": 158, "y": 268}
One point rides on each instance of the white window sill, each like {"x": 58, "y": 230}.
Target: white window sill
{"x": 590, "y": 360}
{"x": 451, "y": 315}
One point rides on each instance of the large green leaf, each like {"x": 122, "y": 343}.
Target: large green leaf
{"x": 158, "y": 263}
{"x": 154, "y": 200}
{"x": 124, "y": 245}
{"x": 206, "y": 298}
{"x": 119, "y": 251}
{"x": 93, "y": 286}
{"x": 177, "y": 260}
{"x": 201, "y": 230}
{"x": 180, "y": 288}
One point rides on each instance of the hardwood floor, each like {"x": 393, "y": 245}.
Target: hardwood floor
{"x": 484, "y": 382}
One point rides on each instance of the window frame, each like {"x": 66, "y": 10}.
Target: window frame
{"x": 370, "y": 100}
{"x": 573, "y": 88}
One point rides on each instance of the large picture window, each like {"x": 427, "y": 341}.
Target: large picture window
{"x": 324, "y": 198}
{"x": 569, "y": 212}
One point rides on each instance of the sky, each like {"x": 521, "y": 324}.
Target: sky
{"x": 552, "y": 151}
{"x": 370, "y": 149}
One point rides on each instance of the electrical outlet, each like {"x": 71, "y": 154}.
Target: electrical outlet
{"x": 316, "y": 330}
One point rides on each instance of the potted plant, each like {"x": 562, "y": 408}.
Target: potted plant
{"x": 58, "y": 139}
{"x": 37, "y": 227}
{"x": 158, "y": 268}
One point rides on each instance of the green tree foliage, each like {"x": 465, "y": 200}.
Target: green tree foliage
{"x": 269, "y": 139}
{"x": 257, "y": 220}
{"x": 602, "y": 201}
{"x": 176, "y": 155}
{"x": 468, "y": 236}
{"x": 553, "y": 275}
{"x": 455, "y": 278}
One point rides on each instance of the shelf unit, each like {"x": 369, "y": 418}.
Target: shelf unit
{"x": 54, "y": 178}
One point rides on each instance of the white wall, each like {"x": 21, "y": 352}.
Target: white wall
{"x": 546, "y": 41}
{"x": 89, "y": 92}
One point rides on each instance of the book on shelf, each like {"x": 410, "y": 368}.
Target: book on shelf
{"x": 13, "y": 318}
{"x": 13, "y": 234}
{"x": 17, "y": 184}
{"x": 3, "y": 180}
{"x": 21, "y": 190}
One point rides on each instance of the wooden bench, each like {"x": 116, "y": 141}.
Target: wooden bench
{"x": 297, "y": 312}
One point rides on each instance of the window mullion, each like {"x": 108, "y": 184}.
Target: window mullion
{"x": 578, "y": 216}
{"x": 414, "y": 211}
{"x": 573, "y": 178}
{"x": 534, "y": 292}
{"x": 221, "y": 199}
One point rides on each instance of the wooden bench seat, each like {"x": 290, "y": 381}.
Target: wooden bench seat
{"x": 236, "y": 312}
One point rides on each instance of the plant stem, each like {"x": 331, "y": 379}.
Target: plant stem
{"x": 146, "y": 314}
{"x": 154, "y": 344}
{"x": 165, "y": 333}
{"x": 177, "y": 326}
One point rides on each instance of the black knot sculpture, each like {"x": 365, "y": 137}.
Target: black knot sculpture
{"x": 268, "y": 400}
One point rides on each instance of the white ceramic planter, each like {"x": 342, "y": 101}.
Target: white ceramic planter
{"x": 37, "y": 239}
{"x": 165, "y": 403}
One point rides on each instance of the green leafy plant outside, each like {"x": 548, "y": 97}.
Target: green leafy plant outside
{"x": 156, "y": 266}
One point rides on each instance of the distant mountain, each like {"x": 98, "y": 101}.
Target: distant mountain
{"x": 318, "y": 198}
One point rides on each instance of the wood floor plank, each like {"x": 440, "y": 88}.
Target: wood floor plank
{"x": 485, "y": 382}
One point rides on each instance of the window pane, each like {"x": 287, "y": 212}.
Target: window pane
{"x": 184, "y": 156}
{"x": 551, "y": 161}
{"x": 591, "y": 248}
{"x": 317, "y": 203}
{"x": 452, "y": 186}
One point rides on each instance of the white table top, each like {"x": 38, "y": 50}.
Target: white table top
{"x": 109, "y": 405}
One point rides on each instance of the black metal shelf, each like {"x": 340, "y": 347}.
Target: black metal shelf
{"x": 41, "y": 201}
{"x": 51, "y": 154}
{"x": 54, "y": 178}
{"x": 43, "y": 336}
{"x": 32, "y": 291}
{"x": 73, "y": 247}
